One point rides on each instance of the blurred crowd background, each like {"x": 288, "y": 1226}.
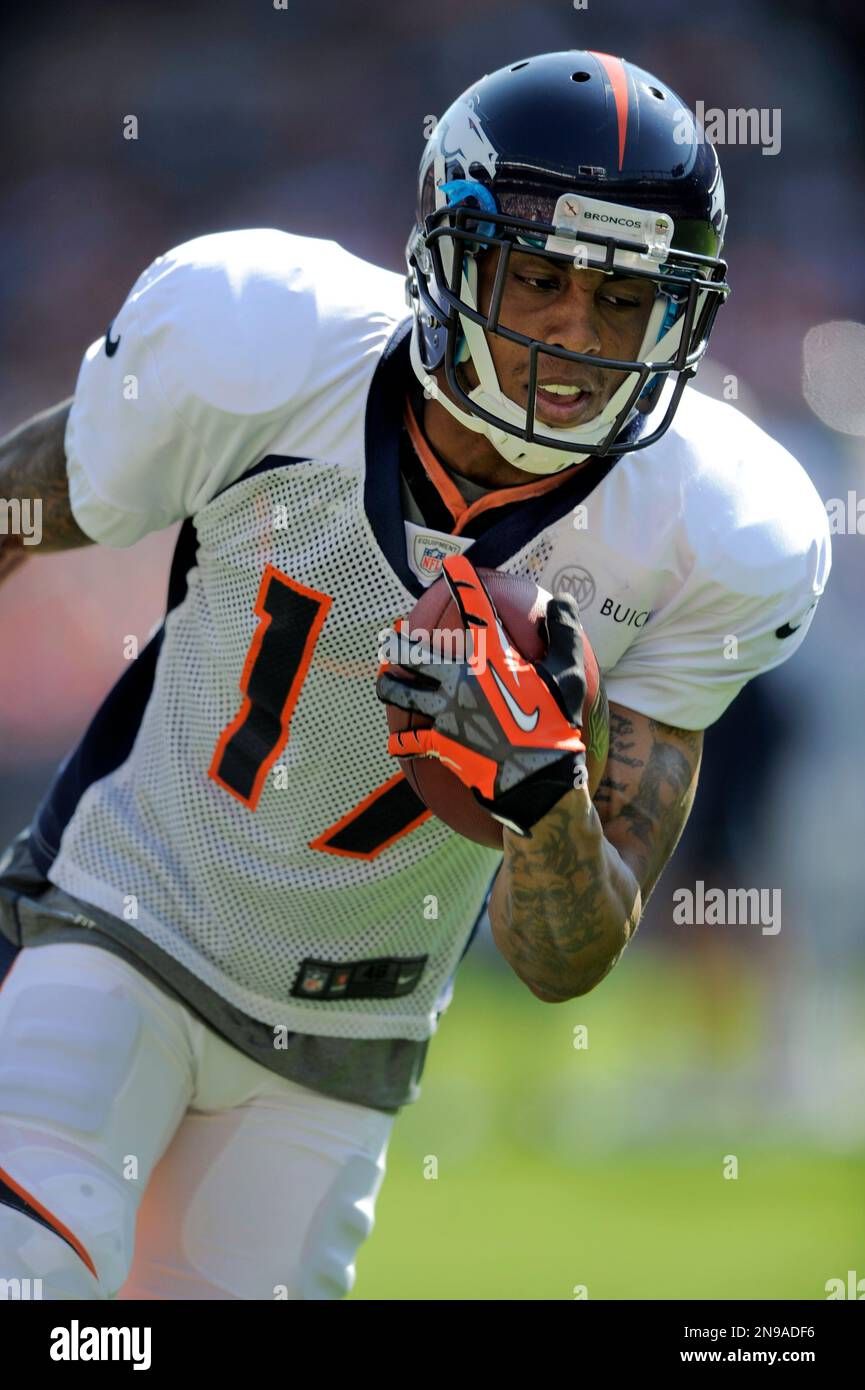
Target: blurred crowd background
{"x": 311, "y": 118}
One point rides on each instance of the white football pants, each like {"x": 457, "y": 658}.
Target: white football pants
{"x": 119, "y": 1105}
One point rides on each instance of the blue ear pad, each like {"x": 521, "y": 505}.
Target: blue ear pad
{"x": 464, "y": 190}
{"x": 667, "y": 323}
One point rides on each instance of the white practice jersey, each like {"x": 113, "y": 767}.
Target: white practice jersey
{"x": 233, "y": 801}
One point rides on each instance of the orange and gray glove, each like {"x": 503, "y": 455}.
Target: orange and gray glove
{"x": 509, "y": 728}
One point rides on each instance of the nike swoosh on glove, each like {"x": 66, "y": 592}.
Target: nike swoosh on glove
{"x": 509, "y": 728}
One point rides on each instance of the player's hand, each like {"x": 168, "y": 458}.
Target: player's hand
{"x": 509, "y": 728}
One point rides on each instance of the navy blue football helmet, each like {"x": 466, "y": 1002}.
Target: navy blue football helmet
{"x": 583, "y": 159}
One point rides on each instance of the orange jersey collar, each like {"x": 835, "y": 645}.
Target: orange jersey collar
{"x": 460, "y": 510}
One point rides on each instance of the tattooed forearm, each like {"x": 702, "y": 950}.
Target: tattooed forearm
{"x": 567, "y": 901}
{"x": 33, "y": 468}
{"x": 622, "y": 753}
{"x": 564, "y": 905}
{"x": 647, "y": 792}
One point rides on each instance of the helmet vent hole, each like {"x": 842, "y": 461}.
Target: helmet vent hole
{"x": 656, "y": 92}
{"x": 580, "y": 76}
{"x": 516, "y": 67}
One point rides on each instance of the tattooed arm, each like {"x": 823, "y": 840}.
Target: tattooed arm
{"x": 647, "y": 791}
{"x": 33, "y": 469}
{"x": 566, "y": 902}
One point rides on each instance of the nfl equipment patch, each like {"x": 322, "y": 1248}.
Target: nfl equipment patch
{"x": 427, "y": 549}
{"x": 358, "y": 979}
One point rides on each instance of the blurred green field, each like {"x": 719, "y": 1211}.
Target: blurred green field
{"x": 604, "y": 1167}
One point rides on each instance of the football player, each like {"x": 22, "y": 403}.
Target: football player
{"x": 237, "y": 927}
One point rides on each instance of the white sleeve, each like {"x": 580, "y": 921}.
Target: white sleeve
{"x": 689, "y": 665}
{"x": 212, "y": 345}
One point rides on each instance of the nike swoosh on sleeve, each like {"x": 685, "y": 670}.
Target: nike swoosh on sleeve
{"x": 787, "y": 629}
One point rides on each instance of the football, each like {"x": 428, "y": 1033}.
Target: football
{"x": 521, "y": 605}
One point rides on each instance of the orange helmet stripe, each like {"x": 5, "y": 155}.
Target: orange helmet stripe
{"x": 615, "y": 70}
